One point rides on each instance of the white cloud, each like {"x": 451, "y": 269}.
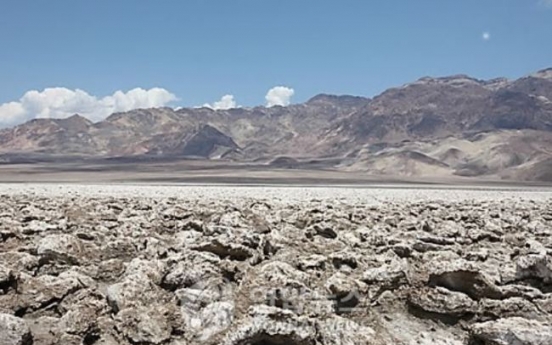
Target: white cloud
{"x": 279, "y": 95}
{"x": 61, "y": 102}
{"x": 10, "y": 112}
{"x": 546, "y": 3}
{"x": 225, "y": 103}
{"x": 486, "y": 36}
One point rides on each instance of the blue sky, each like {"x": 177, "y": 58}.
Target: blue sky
{"x": 200, "y": 50}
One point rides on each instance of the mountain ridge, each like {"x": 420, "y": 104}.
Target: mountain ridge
{"x": 406, "y": 130}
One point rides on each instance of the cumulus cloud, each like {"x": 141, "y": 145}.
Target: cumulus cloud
{"x": 279, "y": 95}
{"x": 61, "y": 102}
{"x": 11, "y": 112}
{"x": 486, "y": 36}
{"x": 225, "y": 103}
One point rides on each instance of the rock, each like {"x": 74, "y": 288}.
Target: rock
{"x": 527, "y": 292}
{"x": 106, "y": 333}
{"x": 423, "y": 247}
{"x": 402, "y": 250}
{"x": 344, "y": 291}
{"x": 62, "y": 248}
{"x": 133, "y": 291}
{"x": 7, "y": 278}
{"x": 324, "y": 231}
{"x": 14, "y": 331}
{"x": 45, "y": 330}
{"x": 145, "y": 325}
{"x": 176, "y": 213}
{"x": 121, "y": 248}
{"x": 464, "y": 277}
{"x": 511, "y": 331}
{"x": 191, "y": 269}
{"x": 81, "y": 311}
{"x": 345, "y": 260}
{"x": 341, "y": 331}
{"x": 70, "y": 339}
{"x": 19, "y": 262}
{"x": 36, "y": 226}
{"x": 36, "y": 293}
{"x": 109, "y": 270}
{"x": 312, "y": 262}
{"x": 276, "y": 284}
{"x": 211, "y": 321}
{"x": 281, "y": 274}
{"x": 204, "y": 293}
{"x": 403, "y": 328}
{"x": 225, "y": 248}
{"x": 153, "y": 270}
{"x": 535, "y": 266}
{"x": 479, "y": 255}
{"x": 441, "y": 304}
{"x": 511, "y": 307}
{"x": 448, "y": 229}
{"x": 388, "y": 276}
{"x": 442, "y": 241}
{"x": 270, "y": 325}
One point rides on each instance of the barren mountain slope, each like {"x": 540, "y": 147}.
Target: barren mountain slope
{"x": 450, "y": 126}
{"x": 495, "y": 154}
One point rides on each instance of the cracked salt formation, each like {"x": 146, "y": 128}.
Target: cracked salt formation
{"x": 80, "y": 265}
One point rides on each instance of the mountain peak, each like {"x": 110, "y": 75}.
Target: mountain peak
{"x": 77, "y": 118}
{"x": 543, "y": 74}
{"x": 337, "y": 99}
{"x": 453, "y": 80}
{"x": 75, "y": 122}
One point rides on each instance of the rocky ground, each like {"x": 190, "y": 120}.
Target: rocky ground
{"x": 252, "y": 266}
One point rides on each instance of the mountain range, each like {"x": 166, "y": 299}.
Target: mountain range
{"x": 454, "y": 126}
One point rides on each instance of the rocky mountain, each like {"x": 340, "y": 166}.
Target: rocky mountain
{"x": 450, "y": 126}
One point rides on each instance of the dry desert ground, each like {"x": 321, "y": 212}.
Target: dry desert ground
{"x": 104, "y": 263}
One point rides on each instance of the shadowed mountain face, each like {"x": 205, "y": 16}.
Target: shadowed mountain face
{"x": 451, "y": 126}
{"x": 205, "y": 142}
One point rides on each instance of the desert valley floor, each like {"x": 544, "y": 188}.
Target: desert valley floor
{"x": 104, "y": 263}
